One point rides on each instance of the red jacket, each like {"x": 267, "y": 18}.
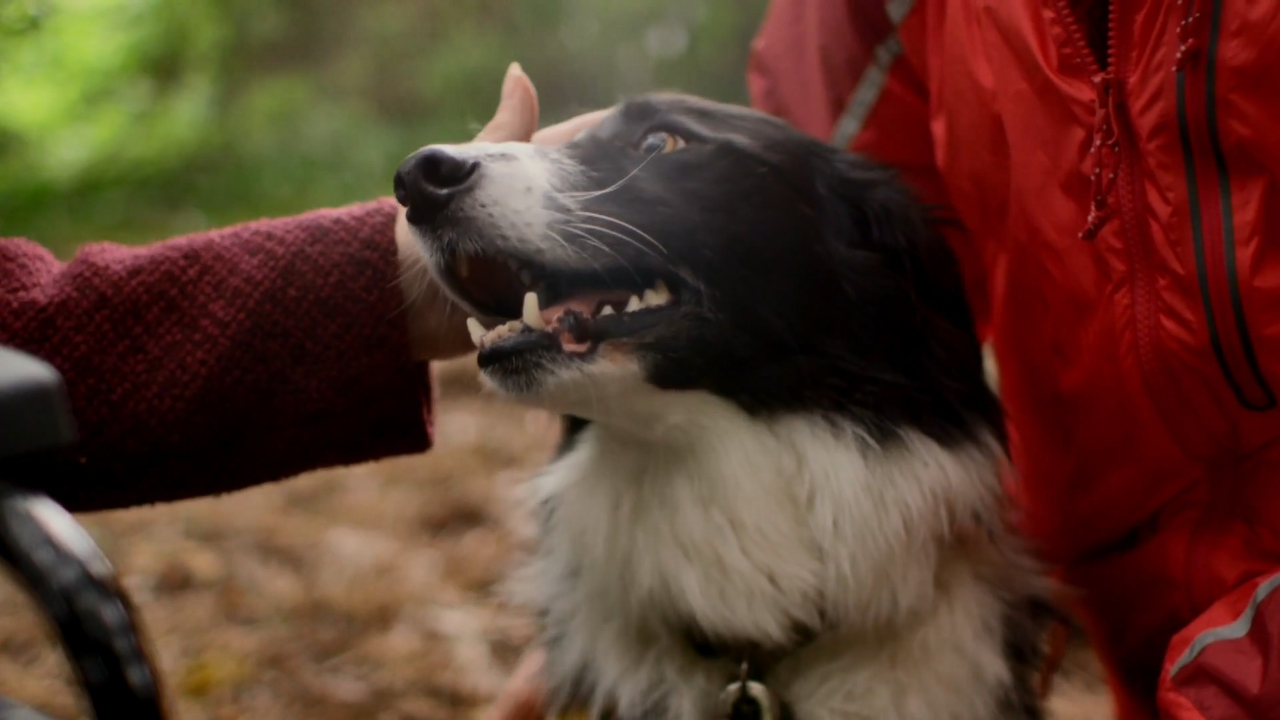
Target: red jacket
{"x": 1119, "y": 178}
{"x": 222, "y": 359}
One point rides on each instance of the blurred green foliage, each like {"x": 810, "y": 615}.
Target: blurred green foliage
{"x": 134, "y": 120}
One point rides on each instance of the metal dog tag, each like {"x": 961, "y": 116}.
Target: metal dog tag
{"x": 748, "y": 700}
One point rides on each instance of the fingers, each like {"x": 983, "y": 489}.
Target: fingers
{"x": 563, "y": 132}
{"x": 523, "y": 697}
{"x": 437, "y": 329}
{"x": 516, "y": 118}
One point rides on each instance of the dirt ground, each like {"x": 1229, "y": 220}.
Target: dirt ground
{"x": 370, "y": 592}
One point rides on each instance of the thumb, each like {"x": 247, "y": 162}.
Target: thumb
{"x": 524, "y": 697}
{"x": 516, "y": 118}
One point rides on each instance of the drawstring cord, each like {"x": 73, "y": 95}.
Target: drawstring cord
{"x": 1104, "y": 153}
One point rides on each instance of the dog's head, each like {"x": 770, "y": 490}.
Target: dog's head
{"x": 688, "y": 245}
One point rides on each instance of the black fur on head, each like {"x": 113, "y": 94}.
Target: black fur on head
{"x": 805, "y": 278}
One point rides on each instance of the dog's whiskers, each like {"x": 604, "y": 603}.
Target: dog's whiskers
{"x": 579, "y": 251}
{"x": 624, "y": 224}
{"x": 587, "y": 195}
{"x": 618, "y": 235}
{"x": 574, "y": 228}
{"x": 567, "y": 246}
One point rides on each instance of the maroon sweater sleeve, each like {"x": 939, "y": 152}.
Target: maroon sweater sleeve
{"x": 222, "y": 359}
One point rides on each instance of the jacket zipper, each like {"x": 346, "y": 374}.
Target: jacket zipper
{"x": 1212, "y": 221}
{"x": 1115, "y": 174}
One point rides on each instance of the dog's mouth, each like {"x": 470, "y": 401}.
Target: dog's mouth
{"x": 529, "y": 306}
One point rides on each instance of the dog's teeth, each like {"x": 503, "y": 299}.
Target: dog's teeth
{"x": 532, "y": 314}
{"x": 483, "y": 338}
{"x": 608, "y": 310}
{"x": 476, "y": 329}
{"x": 502, "y": 332}
{"x": 461, "y": 266}
{"x": 633, "y": 304}
{"x": 658, "y": 296}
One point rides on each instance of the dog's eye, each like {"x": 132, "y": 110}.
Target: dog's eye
{"x": 660, "y": 142}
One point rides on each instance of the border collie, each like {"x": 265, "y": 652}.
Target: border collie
{"x": 779, "y": 495}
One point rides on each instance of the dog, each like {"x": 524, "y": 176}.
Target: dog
{"x": 780, "y": 489}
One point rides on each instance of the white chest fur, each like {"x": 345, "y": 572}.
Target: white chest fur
{"x": 747, "y": 528}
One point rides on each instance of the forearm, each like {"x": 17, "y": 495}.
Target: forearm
{"x": 223, "y": 359}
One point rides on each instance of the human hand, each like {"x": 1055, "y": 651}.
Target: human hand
{"x": 437, "y": 327}
{"x": 523, "y": 697}
{"x": 563, "y": 132}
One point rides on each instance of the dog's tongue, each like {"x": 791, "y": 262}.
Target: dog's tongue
{"x": 570, "y": 320}
{"x": 585, "y": 304}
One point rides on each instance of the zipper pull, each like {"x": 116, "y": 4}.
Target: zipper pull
{"x": 1104, "y": 153}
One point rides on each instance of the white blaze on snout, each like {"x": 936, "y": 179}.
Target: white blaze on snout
{"x": 517, "y": 197}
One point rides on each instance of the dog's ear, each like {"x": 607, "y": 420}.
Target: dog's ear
{"x": 868, "y": 209}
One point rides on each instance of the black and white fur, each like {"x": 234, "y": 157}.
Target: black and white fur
{"x": 798, "y": 453}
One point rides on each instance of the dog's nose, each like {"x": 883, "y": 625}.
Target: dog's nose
{"x": 429, "y": 179}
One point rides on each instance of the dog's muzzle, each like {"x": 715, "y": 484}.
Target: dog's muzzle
{"x": 428, "y": 180}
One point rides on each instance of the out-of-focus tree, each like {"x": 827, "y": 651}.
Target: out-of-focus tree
{"x": 136, "y": 119}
